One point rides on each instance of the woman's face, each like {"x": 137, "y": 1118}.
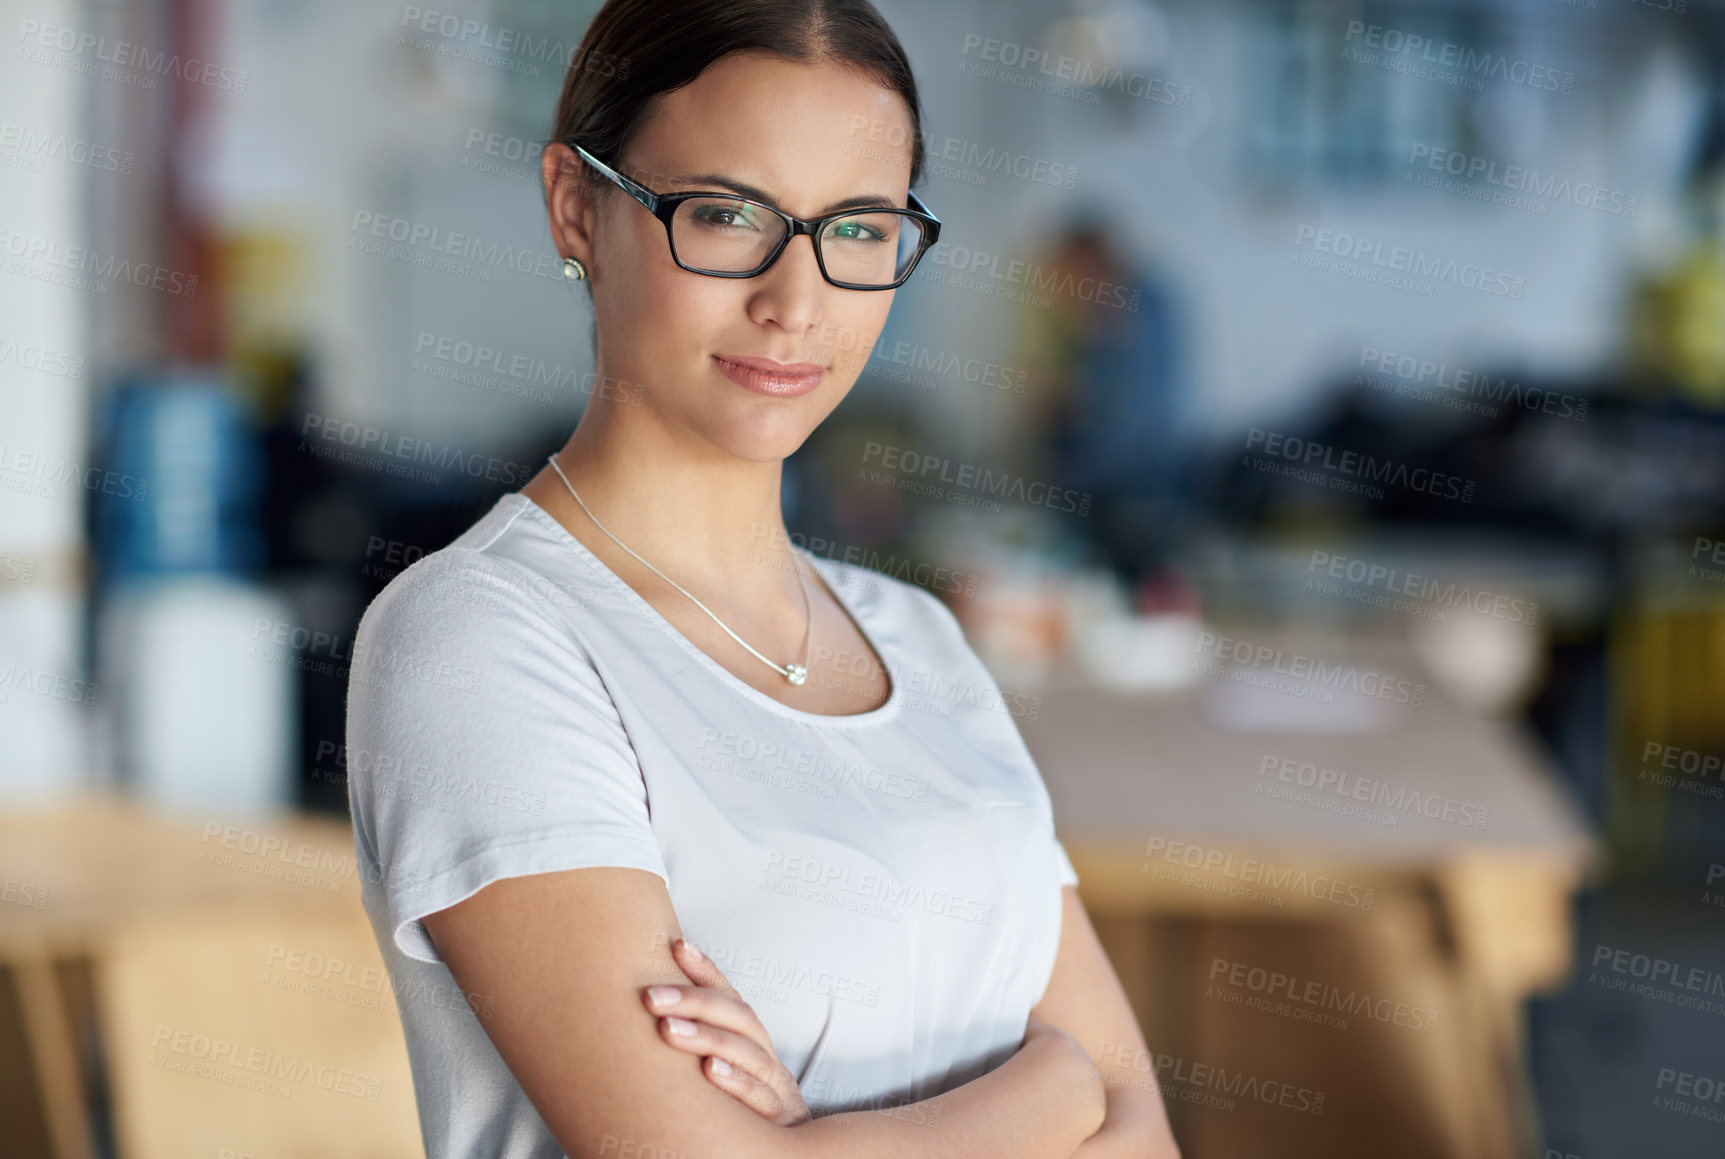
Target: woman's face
{"x": 807, "y": 136}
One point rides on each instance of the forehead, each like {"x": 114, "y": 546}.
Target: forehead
{"x": 808, "y": 133}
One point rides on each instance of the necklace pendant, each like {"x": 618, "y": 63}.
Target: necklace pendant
{"x": 796, "y": 673}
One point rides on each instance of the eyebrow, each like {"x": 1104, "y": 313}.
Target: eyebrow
{"x": 867, "y": 201}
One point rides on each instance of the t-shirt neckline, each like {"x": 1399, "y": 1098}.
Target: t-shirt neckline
{"x": 895, "y": 694}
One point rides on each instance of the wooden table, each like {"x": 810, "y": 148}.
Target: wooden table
{"x": 218, "y": 978}
{"x": 1190, "y": 816}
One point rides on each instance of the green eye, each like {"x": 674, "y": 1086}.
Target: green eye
{"x": 855, "y": 229}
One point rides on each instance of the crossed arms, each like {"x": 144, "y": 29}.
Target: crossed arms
{"x": 568, "y": 954}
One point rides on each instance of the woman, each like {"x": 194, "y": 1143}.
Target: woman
{"x": 619, "y": 709}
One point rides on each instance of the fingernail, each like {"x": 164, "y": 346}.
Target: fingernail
{"x": 720, "y": 1066}
{"x": 681, "y": 1026}
{"x": 663, "y": 995}
{"x": 690, "y": 947}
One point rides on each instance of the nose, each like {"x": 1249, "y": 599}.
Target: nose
{"x": 791, "y": 291}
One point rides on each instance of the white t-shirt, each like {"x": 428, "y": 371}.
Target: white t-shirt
{"x": 882, "y": 888}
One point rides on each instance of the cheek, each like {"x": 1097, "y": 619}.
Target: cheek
{"x": 848, "y": 335}
{"x": 658, "y": 309}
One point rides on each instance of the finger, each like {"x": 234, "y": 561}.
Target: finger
{"x": 751, "y": 1092}
{"x": 700, "y": 968}
{"x": 701, "y": 1004}
{"x": 741, "y": 1052}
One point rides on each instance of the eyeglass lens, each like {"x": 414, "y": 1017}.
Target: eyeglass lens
{"x": 733, "y": 236}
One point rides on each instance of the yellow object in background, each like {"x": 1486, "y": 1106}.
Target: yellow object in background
{"x": 1677, "y": 329}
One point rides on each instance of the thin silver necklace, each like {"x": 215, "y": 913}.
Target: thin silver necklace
{"x": 795, "y": 673}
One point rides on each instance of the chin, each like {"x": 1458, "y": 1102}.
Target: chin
{"x": 761, "y": 443}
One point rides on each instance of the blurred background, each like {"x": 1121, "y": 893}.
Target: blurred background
{"x": 1314, "y": 412}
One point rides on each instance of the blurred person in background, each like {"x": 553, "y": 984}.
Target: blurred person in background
{"x": 1104, "y": 405}
{"x": 673, "y": 725}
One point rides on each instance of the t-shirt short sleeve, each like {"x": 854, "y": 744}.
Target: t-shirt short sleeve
{"x": 481, "y": 744}
{"x": 1068, "y": 875}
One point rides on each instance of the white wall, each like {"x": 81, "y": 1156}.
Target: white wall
{"x": 42, "y": 434}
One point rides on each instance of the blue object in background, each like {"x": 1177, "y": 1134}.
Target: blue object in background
{"x": 203, "y": 695}
{"x": 184, "y": 438}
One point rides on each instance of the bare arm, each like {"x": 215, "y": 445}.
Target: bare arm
{"x": 1085, "y": 999}
{"x": 567, "y": 955}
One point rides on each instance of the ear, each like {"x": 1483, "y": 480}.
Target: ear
{"x": 569, "y": 202}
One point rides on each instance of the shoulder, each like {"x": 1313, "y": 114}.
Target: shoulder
{"x": 893, "y": 599}
{"x": 482, "y": 586}
{"x": 464, "y": 617}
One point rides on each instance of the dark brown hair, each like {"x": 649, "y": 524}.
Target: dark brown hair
{"x": 636, "y": 50}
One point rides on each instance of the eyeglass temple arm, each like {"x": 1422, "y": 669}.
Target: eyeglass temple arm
{"x": 634, "y": 189}
{"x": 651, "y": 200}
{"x": 916, "y": 204}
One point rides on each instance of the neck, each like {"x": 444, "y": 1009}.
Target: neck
{"x": 696, "y": 513}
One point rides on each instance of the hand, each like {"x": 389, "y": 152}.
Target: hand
{"x": 738, "y": 1053}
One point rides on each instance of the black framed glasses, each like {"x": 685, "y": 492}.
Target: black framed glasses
{"x": 726, "y": 235}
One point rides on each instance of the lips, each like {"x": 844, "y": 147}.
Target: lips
{"x": 770, "y": 377}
